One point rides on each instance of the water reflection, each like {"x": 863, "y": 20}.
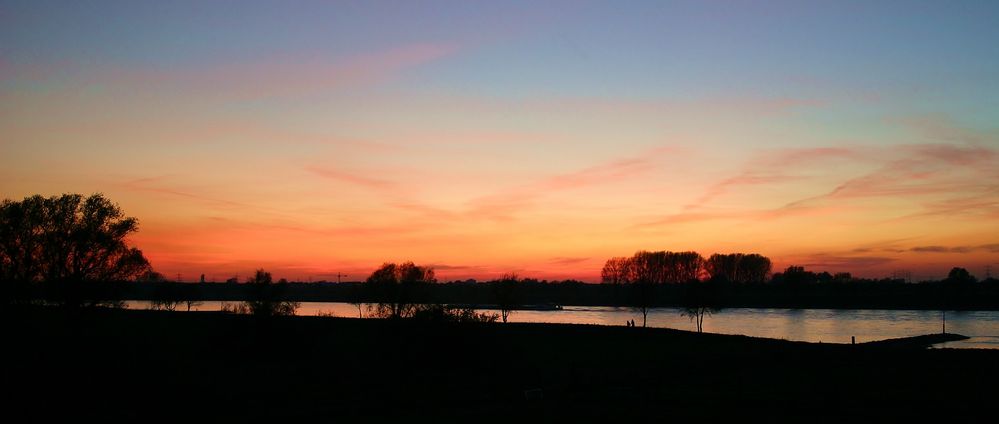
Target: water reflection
{"x": 813, "y": 325}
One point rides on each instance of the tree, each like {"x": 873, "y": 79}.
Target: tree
{"x": 507, "y": 292}
{"x": 795, "y": 276}
{"x": 355, "y": 295}
{"x": 960, "y": 275}
{"x": 644, "y": 273}
{"x": 738, "y": 267}
{"x": 615, "y": 271}
{"x": 755, "y": 268}
{"x": 67, "y": 240}
{"x": 193, "y": 295}
{"x": 267, "y": 296}
{"x": 166, "y": 296}
{"x": 397, "y": 288}
{"x": 682, "y": 267}
{"x": 700, "y": 299}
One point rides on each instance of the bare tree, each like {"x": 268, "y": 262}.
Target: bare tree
{"x": 355, "y": 296}
{"x": 683, "y": 267}
{"x": 192, "y": 296}
{"x": 645, "y": 270}
{"x": 755, "y": 268}
{"x": 615, "y": 271}
{"x": 700, "y": 299}
{"x": 507, "y": 292}
{"x": 738, "y": 267}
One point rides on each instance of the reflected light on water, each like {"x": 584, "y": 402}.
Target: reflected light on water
{"x": 811, "y": 325}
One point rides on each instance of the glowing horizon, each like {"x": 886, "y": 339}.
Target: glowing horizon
{"x": 540, "y": 139}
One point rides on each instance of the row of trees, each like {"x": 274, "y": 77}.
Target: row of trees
{"x": 644, "y": 270}
{"x": 664, "y": 267}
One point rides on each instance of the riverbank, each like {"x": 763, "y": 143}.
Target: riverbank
{"x": 137, "y": 364}
{"x": 853, "y": 294}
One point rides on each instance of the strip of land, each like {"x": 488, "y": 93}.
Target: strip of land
{"x": 128, "y": 364}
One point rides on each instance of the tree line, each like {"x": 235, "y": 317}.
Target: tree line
{"x": 664, "y": 267}
{"x": 74, "y": 250}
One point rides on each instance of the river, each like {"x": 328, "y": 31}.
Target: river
{"x": 811, "y": 325}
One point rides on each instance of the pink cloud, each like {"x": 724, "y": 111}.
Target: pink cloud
{"x": 939, "y": 127}
{"x": 917, "y": 170}
{"x": 284, "y": 76}
{"x": 599, "y": 174}
{"x": 943, "y": 178}
{"x": 772, "y": 167}
{"x": 157, "y": 185}
{"x": 359, "y": 180}
{"x": 502, "y": 206}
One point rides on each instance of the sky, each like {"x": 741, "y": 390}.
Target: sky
{"x": 541, "y": 138}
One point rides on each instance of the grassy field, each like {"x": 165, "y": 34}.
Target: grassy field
{"x": 150, "y": 364}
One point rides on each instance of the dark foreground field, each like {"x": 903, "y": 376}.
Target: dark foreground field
{"x": 143, "y": 365}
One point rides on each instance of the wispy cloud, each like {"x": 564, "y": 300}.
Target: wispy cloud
{"x": 599, "y": 174}
{"x": 504, "y": 205}
{"x": 447, "y": 267}
{"x": 288, "y": 75}
{"x": 159, "y": 185}
{"x": 939, "y": 127}
{"x": 845, "y": 262}
{"x": 993, "y": 248}
{"x": 770, "y": 168}
{"x": 917, "y": 170}
{"x": 567, "y": 261}
{"x": 353, "y": 178}
{"x": 940, "y": 178}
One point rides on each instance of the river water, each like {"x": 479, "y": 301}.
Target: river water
{"x": 811, "y": 325}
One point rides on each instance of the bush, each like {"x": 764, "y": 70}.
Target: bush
{"x": 448, "y": 313}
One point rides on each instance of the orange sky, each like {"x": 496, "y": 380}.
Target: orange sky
{"x": 512, "y": 140}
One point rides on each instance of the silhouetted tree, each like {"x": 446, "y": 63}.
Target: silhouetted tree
{"x": 738, "y": 267}
{"x": 267, "y": 296}
{"x": 615, "y": 271}
{"x": 700, "y": 299}
{"x": 355, "y": 296}
{"x": 166, "y": 297}
{"x": 397, "y": 286}
{"x": 507, "y": 293}
{"x": 646, "y": 271}
{"x": 755, "y": 268}
{"x": 192, "y": 296}
{"x": 682, "y": 267}
{"x": 960, "y": 275}
{"x": 795, "y": 276}
{"x": 67, "y": 240}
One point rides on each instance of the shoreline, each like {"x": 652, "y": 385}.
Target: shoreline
{"x": 216, "y": 365}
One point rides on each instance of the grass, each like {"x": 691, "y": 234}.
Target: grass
{"x": 170, "y": 365}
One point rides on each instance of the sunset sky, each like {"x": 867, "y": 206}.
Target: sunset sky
{"x": 542, "y": 138}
